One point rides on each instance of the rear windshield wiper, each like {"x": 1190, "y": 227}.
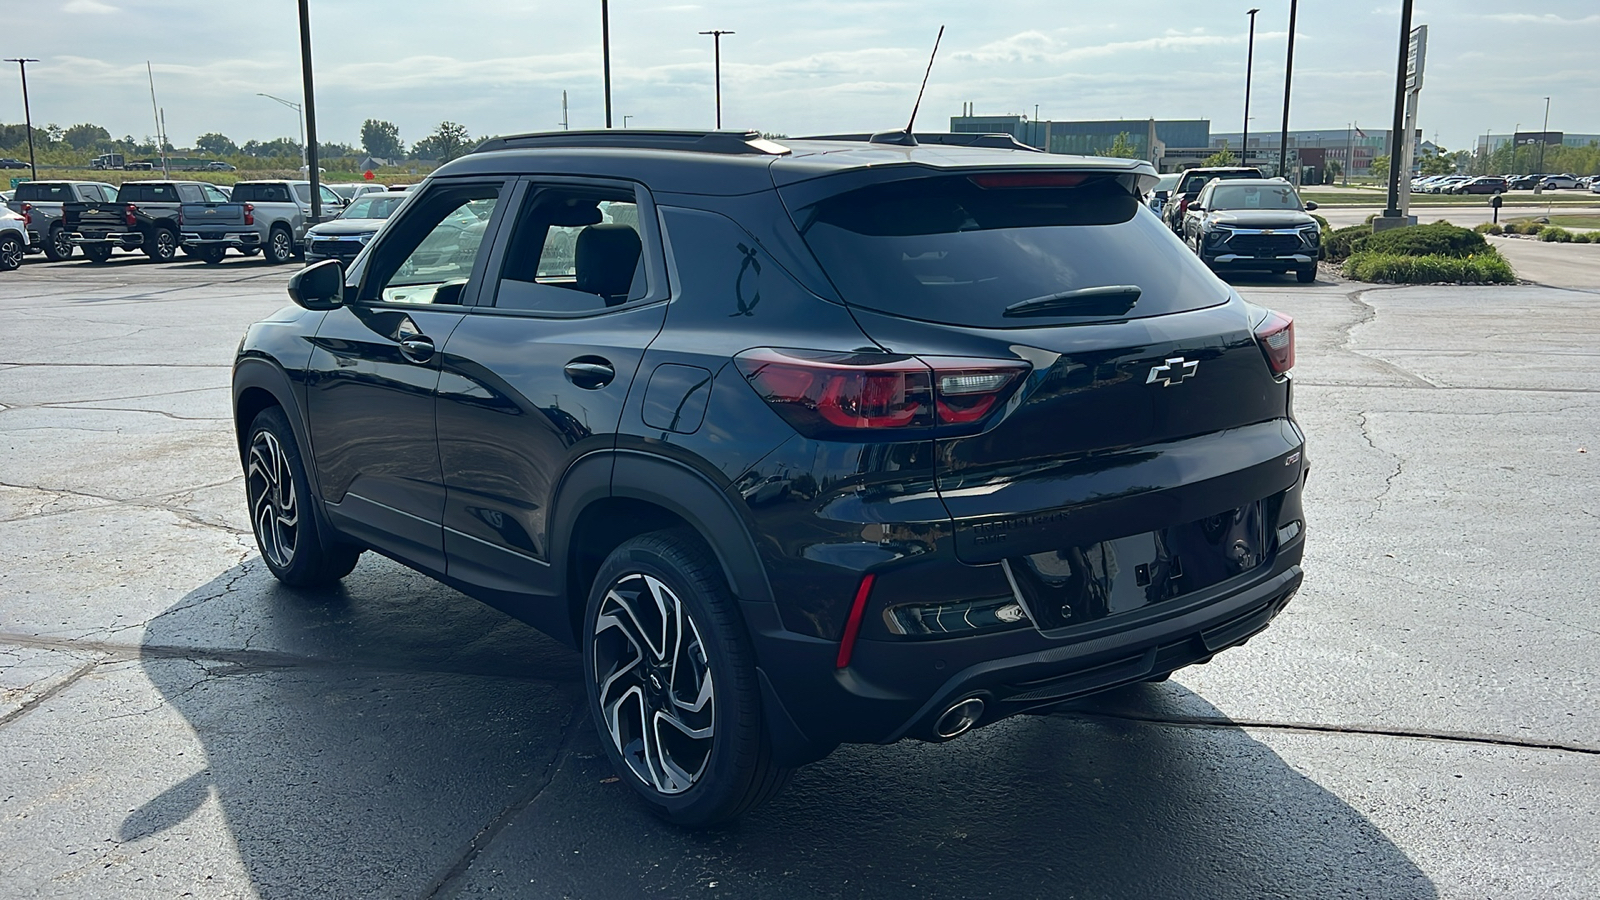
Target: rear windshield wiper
{"x": 1106, "y": 300}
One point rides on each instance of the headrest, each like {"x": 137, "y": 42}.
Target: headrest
{"x": 604, "y": 260}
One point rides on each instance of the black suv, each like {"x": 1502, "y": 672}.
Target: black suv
{"x": 1259, "y": 225}
{"x": 848, "y": 439}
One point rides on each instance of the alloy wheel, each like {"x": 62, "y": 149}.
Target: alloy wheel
{"x": 654, "y": 683}
{"x": 274, "y": 507}
{"x": 61, "y": 244}
{"x": 10, "y": 253}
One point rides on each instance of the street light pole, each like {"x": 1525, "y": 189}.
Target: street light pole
{"x": 298, "y": 112}
{"x": 311, "y": 115}
{"x": 1249, "y": 69}
{"x": 1544, "y": 135}
{"x": 1395, "y": 142}
{"x": 1288, "y": 79}
{"x": 716, "y": 44}
{"x": 27, "y": 114}
{"x": 605, "y": 53}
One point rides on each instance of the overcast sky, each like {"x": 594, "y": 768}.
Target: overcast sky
{"x": 499, "y": 66}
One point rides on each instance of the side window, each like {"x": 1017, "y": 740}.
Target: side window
{"x": 429, "y": 253}
{"x": 329, "y": 197}
{"x": 214, "y": 194}
{"x": 302, "y": 192}
{"x": 574, "y": 250}
{"x": 190, "y": 193}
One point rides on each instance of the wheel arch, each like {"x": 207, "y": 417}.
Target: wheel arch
{"x": 607, "y": 498}
{"x": 260, "y": 384}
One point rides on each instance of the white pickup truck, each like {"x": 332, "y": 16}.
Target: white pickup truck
{"x": 270, "y": 216}
{"x": 40, "y": 203}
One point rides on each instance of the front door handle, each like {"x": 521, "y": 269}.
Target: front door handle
{"x": 590, "y": 372}
{"x": 417, "y": 348}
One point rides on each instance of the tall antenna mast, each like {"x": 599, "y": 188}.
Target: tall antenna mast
{"x": 925, "y": 75}
{"x": 155, "y": 113}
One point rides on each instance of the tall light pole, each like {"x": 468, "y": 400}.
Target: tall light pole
{"x": 299, "y": 111}
{"x": 1249, "y": 69}
{"x": 1392, "y": 211}
{"x": 311, "y": 115}
{"x": 1288, "y": 80}
{"x": 27, "y": 114}
{"x": 605, "y": 53}
{"x": 716, "y": 44}
{"x": 1544, "y": 135}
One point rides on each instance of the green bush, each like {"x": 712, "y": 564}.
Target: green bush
{"x": 1583, "y": 237}
{"x": 1489, "y": 228}
{"x": 1321, "y": 222}
{"x": 1532, "y": 228}
{"x": 1336, "y": 243}
{"x": 1555, "y": 235}
{"x": 1511, "y": 228}
{"x": 1436, "y": 239}
{"x": 1488, "y": 267}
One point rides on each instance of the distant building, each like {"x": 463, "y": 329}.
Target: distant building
{"x": 1148, "y": 137}
{"x": 1488, "y": 143}
{"x": 1351, "y": 147}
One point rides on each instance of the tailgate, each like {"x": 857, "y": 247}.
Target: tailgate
{"x": 203, "y": 215}
{"x": 77, "y": 216}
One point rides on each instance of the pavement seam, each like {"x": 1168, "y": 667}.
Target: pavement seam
{"x": 1453, "y": 737}
{"x": 55, "y": 689}
{"x": 452, "y": 881}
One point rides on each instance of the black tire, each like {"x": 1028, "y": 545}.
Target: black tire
{"x": 57, "y": 245}
{"x": 734, "y": 769}
{"x": 280, "y": 246}
{"x": 279, "y": 497}
{"x": 162, "y": 247}
{"x": 1306, "y": 275}
{"x": 211, "y": 256}
{"x": 12, "y": 247}
{"x": 97, "y": 253}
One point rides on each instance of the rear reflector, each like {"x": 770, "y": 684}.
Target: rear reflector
{"x": 827, "y": 394}
{"x": 852, "y": 626}
{"x": 1275, "y": 334}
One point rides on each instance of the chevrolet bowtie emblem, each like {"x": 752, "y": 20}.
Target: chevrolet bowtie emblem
{"x": 211, "y": 212}
{"x": 1173, "y": 371}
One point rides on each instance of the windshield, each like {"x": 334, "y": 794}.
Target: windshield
{"x": 946, "y": 249}
{"x": 1254, "y": 196}
{"x": 372, "y": 207}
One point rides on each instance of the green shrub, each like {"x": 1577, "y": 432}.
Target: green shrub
{"x": 1336, "y": 243}
{"x": 1488, "y": 267}
{"x": 1555, "y": 235}
{"x": 1436, "y": 239}
{"x": 1511, "y": 228}
{"x": 1321, "y": 222}
{"x": 1532, "y": 228}
{"x": 1582, "y": 237}
{"x": 1489, "y": 228}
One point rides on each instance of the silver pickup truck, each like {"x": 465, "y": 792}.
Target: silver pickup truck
{"x": 40, "y": 202}
{"x": 269, "y": 216}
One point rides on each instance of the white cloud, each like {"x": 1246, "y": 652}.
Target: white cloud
{"x": 93, "y": 7}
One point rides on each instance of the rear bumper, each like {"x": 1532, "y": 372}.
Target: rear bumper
{"x": 115, "y": 238}
{"x": 899, "y": 689}
{"x": 236, "y": 239}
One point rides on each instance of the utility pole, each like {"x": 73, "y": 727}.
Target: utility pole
{"x": 1288, "y": 80}
{"x": 564, "y": 124}
{"x": 155, "y": 113}
{"x": 1544, "y": 135}
{"x": 1249, "y": 69}
{"x": 716, "y": 44}
{"x": 1349, "y": 152}
{"x": 605, "y": 53}
{"x": 311, "y": 115}
{"x": 27, "y": 114}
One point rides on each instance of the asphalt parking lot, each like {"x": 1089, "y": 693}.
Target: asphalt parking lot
{"x": 1421, "y": 721}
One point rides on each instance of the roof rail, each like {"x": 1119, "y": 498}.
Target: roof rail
{"x": 1001, "y": 141}
{"x": 730, "y": 142}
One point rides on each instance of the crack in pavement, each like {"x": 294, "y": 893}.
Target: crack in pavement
{"x": 450, "y": 883}
{"x": 1388, "y": 482}
{"x": 1370, "y": 314}
{"x": 149, "y": 501}
{"x": 54, "y": 689}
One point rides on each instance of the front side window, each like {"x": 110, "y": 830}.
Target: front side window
{"x": 430, "y": 253}
{"x": 190, "y": 193}
{"x": 213, "y": 193}
{"x": 574, "y": 250}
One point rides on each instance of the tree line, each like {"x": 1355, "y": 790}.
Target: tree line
{"x": 74, "y": 145}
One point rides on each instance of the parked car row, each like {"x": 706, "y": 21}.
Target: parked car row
{"x": 1499, "y": 184}
{"x": 165, "y": 218}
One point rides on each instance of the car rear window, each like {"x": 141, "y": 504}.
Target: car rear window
{"x": 42, "y": 192}
{"x": 945, "y": 249}
{"x": 246, "y": 192}
{"x": 137, "y": 192}
{"x": 1193, "y": 183}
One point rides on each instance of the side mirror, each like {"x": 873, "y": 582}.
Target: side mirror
{"x": 1310, "y": 205}
{"x": 1162, "y": 195}
{"x": 1195, "y": 207}
{"x": 319, "y": 286}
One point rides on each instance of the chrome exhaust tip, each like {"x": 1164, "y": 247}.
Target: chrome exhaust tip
{"x": 959, "y": 719}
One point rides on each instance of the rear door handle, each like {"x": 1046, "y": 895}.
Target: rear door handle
{"x": 590, "y": 372}
{"x": 417, "y": 348}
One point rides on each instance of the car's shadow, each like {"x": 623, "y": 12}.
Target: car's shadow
{"x": 392, "y": 738}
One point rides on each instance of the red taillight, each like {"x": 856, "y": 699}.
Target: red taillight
{"x": 1183, "y": 205}
{"x": 27, "y": 214}
{"x": 1275, "y": 334}
{"x": 822, "y": 393}
{"x": 249, "y": 213}
{"x": 852, "y": 626}
{"x": 992, "y": 180}
{"x": 128, "y": 214}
